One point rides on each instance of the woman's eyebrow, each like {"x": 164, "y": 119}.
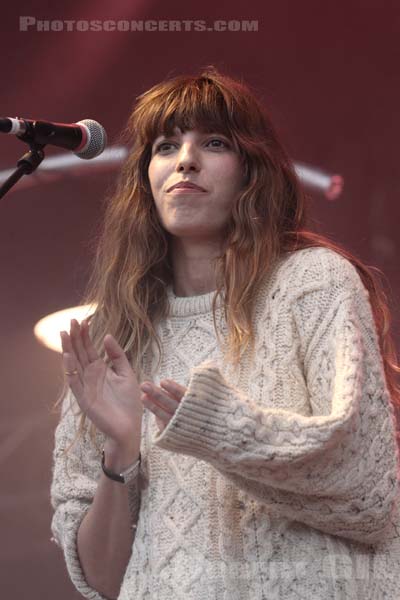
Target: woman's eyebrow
{"x": 164, "y": 136}
{"x": 201, "y": 134}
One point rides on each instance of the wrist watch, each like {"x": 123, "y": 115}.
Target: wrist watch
{"x": 127, "y": 475}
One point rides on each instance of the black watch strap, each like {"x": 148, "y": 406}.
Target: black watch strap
{"x": 120, "y": 477}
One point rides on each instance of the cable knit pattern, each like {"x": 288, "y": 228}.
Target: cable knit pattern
{"x": 75, "y": 477}
{"x": 278, "y": 479}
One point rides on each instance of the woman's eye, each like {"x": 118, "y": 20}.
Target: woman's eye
{"x": 165, "y": 146}
{"x": 161, "y": 146}
{"x": 220, "y": 142}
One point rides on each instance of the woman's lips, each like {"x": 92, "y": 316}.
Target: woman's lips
{"x": 186, "y": 184}
{"x": 186, "y": 190}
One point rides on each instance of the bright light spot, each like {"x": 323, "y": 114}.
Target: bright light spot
{"x": 47, "y": 330}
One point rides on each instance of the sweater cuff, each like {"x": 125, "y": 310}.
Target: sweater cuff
{"x": 66, "y": 537}
{"x": 198, "y": 426}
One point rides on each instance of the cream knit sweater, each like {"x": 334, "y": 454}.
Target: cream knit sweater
{"x": 277, "y": 480}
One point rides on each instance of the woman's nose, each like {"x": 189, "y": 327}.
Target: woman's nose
{"x": 188, "y": 159}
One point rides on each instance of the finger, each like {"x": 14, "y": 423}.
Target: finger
{"x": 173, "y": 388}
{"x": 65, "y": 342}
{"x": 72, "y": 375}
{"x": 157, "y": 410}
{"x": 67, "y": 348}
{"x": 160, "y": 424}
{"x": 164, "y": 400}
{"x": 77, "y": 344}
{"x": 117, "y": 356}
{"x": 87, "y": 342}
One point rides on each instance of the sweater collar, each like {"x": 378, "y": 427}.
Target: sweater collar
{"x": 189, "y": 306}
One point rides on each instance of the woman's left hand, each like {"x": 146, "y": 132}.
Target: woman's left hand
{"x": 162, "y": 401}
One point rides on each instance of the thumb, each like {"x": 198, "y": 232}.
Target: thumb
{"x": 117, "y": 356}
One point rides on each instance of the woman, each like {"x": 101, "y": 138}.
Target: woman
{"x": 228, "y": 430}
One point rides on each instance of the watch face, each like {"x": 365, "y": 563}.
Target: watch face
{"x": 131, "y": 473}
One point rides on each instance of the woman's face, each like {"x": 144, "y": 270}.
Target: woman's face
{"x": 206, "y": 160}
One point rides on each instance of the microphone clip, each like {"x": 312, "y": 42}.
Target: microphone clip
{"x": 26, "y": 165}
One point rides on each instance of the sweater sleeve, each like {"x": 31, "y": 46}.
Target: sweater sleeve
{"x": 336, "y": 470}
{"x": 76, "y": 471}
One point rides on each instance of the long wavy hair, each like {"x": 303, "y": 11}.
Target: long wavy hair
{"x": 132, "y": 264}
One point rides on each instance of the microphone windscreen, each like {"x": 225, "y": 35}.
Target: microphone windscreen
{"x": 96, "y": 139}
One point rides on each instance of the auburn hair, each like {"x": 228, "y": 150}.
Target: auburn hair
{"x": 132, "y": 265}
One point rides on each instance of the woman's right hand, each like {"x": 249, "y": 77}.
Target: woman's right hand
{"x": 108, "y": 394}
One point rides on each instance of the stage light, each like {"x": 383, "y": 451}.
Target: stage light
{"x": 47, "y": 330}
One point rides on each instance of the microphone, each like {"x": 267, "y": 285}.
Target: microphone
{"x": 86, "y": 138}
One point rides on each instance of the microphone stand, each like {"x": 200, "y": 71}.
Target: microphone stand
{"x": 28, "y": 163}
